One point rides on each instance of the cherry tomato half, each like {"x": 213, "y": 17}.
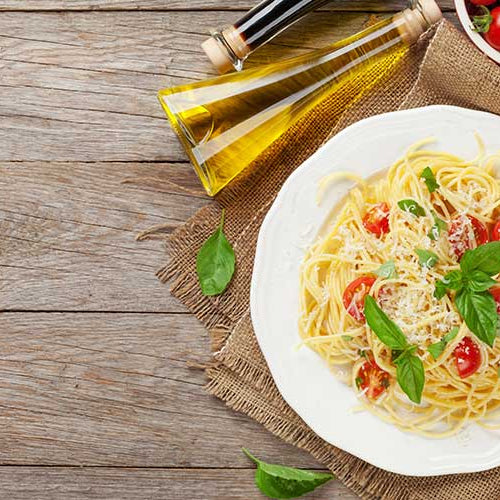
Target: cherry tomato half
{"x": 354, "y": 296}
{"x": 495, "y": 291}
{"x": 372, "y": 379}
{"x": 483, "y": 2}
{"x": 467, "y": 357}
{"x": 376, "y": 220}
{"x": 495, "y": 234}
{"x": 493, "y": 34}
{"x": 466, "y": 232}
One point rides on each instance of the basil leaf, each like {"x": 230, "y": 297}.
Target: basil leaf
{"x": 387, "y": 270}
{"x": 437, "y": 349}
{"x": 385, "y": 329}
{"x": 439, "y": 225}
{"x": 410, "y": 375}
{"x": 430, "y": 179}
{"x": 215, "y": 263}
{"x": 454, "y": 280}
{"x": 440, "y": 290}
{"x": 478, "y": 281}
{"x": 412, "y": 207}
{"x": 279, "y": 481}
{"x": 426, "y": 258}
{"x": 451, "y": 334}
{"x": 479, "y": 311}
{"x": 484, "y": 258}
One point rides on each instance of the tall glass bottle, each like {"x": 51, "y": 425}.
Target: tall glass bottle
{"x": 226, "y": 122}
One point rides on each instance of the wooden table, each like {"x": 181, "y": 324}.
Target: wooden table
{"x": 97, "y": 399}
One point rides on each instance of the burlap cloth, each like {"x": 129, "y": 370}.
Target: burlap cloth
{"x": 443, "y": 68}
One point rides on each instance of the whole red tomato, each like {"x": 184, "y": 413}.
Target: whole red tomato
{"x": 493, "y": 34}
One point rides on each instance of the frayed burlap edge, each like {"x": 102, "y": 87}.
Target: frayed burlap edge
{"x": 245, "y": 384}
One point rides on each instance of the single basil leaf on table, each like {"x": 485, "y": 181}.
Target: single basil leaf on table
{"x": 426, "y": 258}
{"x": 479, "y": 281}
{"x": 439, "y": 225}
{"x": 430, "y": 179}
{"x": 410, "y": 375}
{"x": 484, "y": 258}
{"x": 479, "y": 311}
{"x": 215, "y": 262}
{"x": 387, "y": 270}
{"x": 279, "y": 481}
{"x": 385, "y": 329}
{"x": 437, "y": 349}
{"x": 412, "y": 207}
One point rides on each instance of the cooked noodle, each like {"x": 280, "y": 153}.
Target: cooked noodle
{"x": 346, "y": 251}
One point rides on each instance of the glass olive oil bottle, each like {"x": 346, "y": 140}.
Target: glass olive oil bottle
{"x": 226, "y": 122}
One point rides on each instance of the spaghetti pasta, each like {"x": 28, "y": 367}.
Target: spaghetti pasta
{"x": 350, "y": 250}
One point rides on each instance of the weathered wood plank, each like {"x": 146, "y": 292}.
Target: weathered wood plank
{"x": 163, "y": 5}
{"x": 67, "y": 234}
{"x": 82, "y": 86}
{"x": 57, "y": 483}
{"x": 115, "y": 389}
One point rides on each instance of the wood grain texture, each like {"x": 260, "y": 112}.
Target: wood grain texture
{"x": 82, "y": 86}
{"x": 67, "y": 234}
{"x": 116, "y": 389}
{"x": 99, "y": 396}
{"x": 207, "y": 5}
{"x": 42, "y": 483}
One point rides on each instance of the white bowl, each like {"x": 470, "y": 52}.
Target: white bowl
{"x": 476, "y": 38}
{"x": 303, "y": 378}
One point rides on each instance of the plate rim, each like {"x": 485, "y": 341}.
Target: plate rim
{"x": 258, "y": 263}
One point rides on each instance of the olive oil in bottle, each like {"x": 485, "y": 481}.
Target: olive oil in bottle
{"x": 226, "y": 122}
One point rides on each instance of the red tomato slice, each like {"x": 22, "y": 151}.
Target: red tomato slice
{"x": 376, "y": 220}
{"x": 483, "y": 2}
{"x": 466, "y": 232}
{"x": 493, "y": 34}
{"x": 354, "y": 296}
{"x": 495, "y": 291}
{"x": 495, "y": 234}
{"x": 372, "y": 379}
{"x": 467, "y": 357}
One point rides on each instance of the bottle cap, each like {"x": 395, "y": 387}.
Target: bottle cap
{"x": 217, "y": 53}
{"x": 414, "y": 22}
{"x": 430, "y": 10}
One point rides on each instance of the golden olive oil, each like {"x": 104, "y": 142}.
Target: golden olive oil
{"x": 226, "y": 122}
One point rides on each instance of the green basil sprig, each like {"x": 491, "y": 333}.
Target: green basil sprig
{"x": 438, "y": 226}
{"x": 279, "y": 481}
{"x": 479, "y": 311}
{"x": 438, "y": 348}
{"x": 387, "y": 270}
{"x": 474, "y": 302}
{"x": 412, "y": 207}
{"x": 430, "y": 179}
{"x": 426, "y": 258}
{"x": 215, "y": 262}
{"x": 409, "y": 367}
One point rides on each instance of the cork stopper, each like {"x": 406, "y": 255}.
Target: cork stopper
{"x": 218, "y": 55}
{"x": 226, "y": 49}
{"x": 430, "y": 11}
{"x": 414, "y": 22}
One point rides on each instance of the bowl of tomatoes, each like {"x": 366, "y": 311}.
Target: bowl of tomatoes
{"x": 481, "y": 21}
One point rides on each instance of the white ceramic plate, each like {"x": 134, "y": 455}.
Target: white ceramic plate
{"x": 476, "y": 38}
{"x": 302, "y": 377}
